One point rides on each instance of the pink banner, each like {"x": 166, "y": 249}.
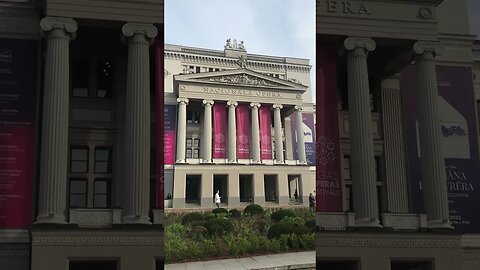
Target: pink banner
{"x": 265, "y": 132}
{"x": 243, "y": 132}
{"x": 219, "y": 129}
{"x": 159, "y": 119}
{"x": 329, "y": 181}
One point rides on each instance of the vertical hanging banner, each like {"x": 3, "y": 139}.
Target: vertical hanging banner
{"x": 265, "y": 131}
{"x": 159, "y": 167}
{"x": 169, "y": 133}
{"x": 18, "y": 83}
{"x": 219, "y": 129}
{"x": 460, "y": 143}
{"x": 328, "y": 173}
{"x": 243, "y": 131}
{"x": 308, "y": 127}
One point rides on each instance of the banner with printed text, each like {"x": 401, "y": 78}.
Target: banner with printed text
{"x": 308, "y": 135}
{"x": 18, "y": 83}
{"x": 460, "y": 143}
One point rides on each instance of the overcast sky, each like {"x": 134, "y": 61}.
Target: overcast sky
{"x": 474, "y": 14}
{"x": 269, "y": 27}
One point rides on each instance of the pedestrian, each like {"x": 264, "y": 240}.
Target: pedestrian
{"x": 311, "y": 200}
{"x": 217, "y": 198}
{"x": 296, "y": 195}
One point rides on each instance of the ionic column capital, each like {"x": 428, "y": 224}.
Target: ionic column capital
{"x": 208, "y": 102}
{"x": 68, "y": 25}
{"x": 352, "y": 43}
{"x": 298, "y": 108}
{"x": 277, "y": 106}
{"x": 232, "y": 104}
{"x": 140, "y": 32}
{"x": 255, "y": 105}
{"x": 182, "y": 100}
{"x": 424, "y": 47}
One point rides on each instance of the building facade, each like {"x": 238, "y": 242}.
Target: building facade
{"x": 398, "y": 187}
{"x": 231, "y": 121}
{"x": 77, "y": 95}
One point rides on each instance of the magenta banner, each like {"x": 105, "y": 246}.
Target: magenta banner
{"x": 159, "y": 167}
{"x": 328, "y": 173}
{"x": 169, "y": 133}
{"x": 243, "y": 132}
{"x": 18, "y": 83}
{"x": 219, "y": 129}
{"x": 265, "y": 131}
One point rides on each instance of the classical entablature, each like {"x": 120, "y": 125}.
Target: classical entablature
{"x": 242, "y": 85}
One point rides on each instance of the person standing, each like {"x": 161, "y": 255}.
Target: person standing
{"x": 311, "y": 201}
{"x": 217, "y": 198}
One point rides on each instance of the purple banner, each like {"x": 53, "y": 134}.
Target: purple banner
{"x": 18, "y": 82}
{"x": 265, "y": 131}
{"x": 243, "y": 132}
{"x": 309, "y": 136}
{"x": 219, "y": 129}
{"x": 170, "y": 127}
{"x": 460, "y": 143}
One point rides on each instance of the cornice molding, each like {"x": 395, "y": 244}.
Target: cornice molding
{"x": 98, "y": 239}
{"x": 387, "y": 241}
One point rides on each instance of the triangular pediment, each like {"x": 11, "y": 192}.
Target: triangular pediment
{"x": 240, "y": 77}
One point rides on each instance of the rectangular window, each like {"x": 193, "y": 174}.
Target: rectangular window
{"x": 347, "y": 174}
{"x": 349, "y": 197}
{"x": 103, "y": 160}
{"x": 189, "y": 153}
{"x": 79, "y": 159}
{"x": 101, "y": 193}
{"x": 405, "y": 265}
{"x": 92, "y": 265}
{"x": 196, "y": 153}
{"x": 78, "y": 193}
{"x": 210, "y": 69}
{"x": 197, "y": 69}
{"x": 104, "y": 78}
{"x": 189, "y": 142}
{"x": 193, "y": 117}
{"x": 80, "y": 77}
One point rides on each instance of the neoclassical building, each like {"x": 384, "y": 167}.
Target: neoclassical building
{"x": 231, "y": 122}
{"x": 397, "y": 128}
{"x": 77, "y": 133}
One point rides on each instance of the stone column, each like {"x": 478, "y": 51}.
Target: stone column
{"x": 277, "y": 123}
{"x": 207, "y": 131}
{"x": 233, "y": 189}
{"x": 137, "y": 123}
{"x": 54, "y": 150}
{"x": 302, "y": 155}
{"x": 361, "y": 138}
{"x": 255, "y": 144}
{"x": 431, "y": 148}
{"x": 181, "y": 129}
{"x": 232, "y": 132}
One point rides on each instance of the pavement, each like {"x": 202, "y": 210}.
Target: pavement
{"x": 283, "y": 261}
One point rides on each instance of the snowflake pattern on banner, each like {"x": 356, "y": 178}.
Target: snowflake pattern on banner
{"x": 219, "y": 138}
{"x": 326, "y": 148}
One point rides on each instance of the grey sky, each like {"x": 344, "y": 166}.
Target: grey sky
{"x": 270, "y": 27}
{"x": 474, "y": 14}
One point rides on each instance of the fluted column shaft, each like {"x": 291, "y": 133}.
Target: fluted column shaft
{"x": 207, "y": 131}
{"x": 361, "y": 138}
{"x": 54, "y": 153}
{"x": 431, "y": 148}
{"x": 232, "y": 132}
{"x": 277, "y": 123}
{"x": 302, "y": 155}
{"x": 255, "y": 146}
{"x": 181, "y": 129}
{"x": 137, "y": 123}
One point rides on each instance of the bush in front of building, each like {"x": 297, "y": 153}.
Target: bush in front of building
{"x": 225, "y": 223}
{"x": 311, "y": 224}
{"x": 234, "y": 213}
{"x": 280, "y": 214}
{"x": 293, "y": 220}
{"x": 261, "y": 225}
{"x": 198, "y": 231}
{"x": 220, "y": 210}
{"x": 253, "y": 209}
{"x": 192, "y": 217}
{"x": 283, "y": 228}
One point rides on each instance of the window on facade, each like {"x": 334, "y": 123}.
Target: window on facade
{"x": 90, "y": 177}
{"x": 104, "y": 78}
{"x": 92, "y": 265}
{"x": 80, "y": 77}
{"x": 193, "y": 117}
{"x": 92, "y": 77}
{"x": 193, "y": 148}
{"x": 197, "y": 69}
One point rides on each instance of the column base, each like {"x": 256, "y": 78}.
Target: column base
{"x": 259, "y": 200}
{"x": 136, "y": 219}
{"x": 178, "y": 203}
{"x": 256, "y": 162}
{"x": 233, "y": 202}
{"x": 207, "y": 203}
{"x": 283, "y": 200}
{"x": 368, "y": 222}
{"x": 181, "y": 161}
{"x": 51, "y": 219}
{"x": 207, "y": 161}
{"x": 279, "y": 162}
{"x": 232, "y": 161}
{"x": 439, "y": 224}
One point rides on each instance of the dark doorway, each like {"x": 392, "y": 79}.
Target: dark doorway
{"x": 411, "y": 265}
{"x": 192, "y": 189}
{"x": 92, "y": 265}
{"x": 220, "y": 182}
{"x": 335, "y": 265}
{"x": 294, "y": 188}
{"x": 271, "y": 188}
{"x": 246, "y": 188}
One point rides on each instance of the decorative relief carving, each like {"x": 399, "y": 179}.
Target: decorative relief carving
{"x": 243, "y": 79}
{"x": 242, "y": 61}
{"x": 9, "y": 253}
{"x": 425, "y": 13}
{"x": 234, "y": 45}
{"x": 386, "y": 242}
{"x": 165, "y": 73}
{"x": 97, "y": 240}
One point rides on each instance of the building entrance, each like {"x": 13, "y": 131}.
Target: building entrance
{"x": 327, "y": 265}
{"x": 294, "y": 188}
{"x": 246, "y": 190}
{"x": 192, "y": 189}
{"x": 93, "y": 265}
{"x": 220, "y": 182}
{"x": 271, "y": 188}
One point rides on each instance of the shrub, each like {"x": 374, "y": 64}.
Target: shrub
{"x": 226, "y": 224}
{"x": 209, "y": 215}
{"x": 192, "y": 217}
{"x": 280, "y": 214}
{"x": 235, "y": 213}
{"x": 293, "y": 220}
{"x": 261, "y": 225}
{"x": 219, "y": 211}
{"x": 253, "y": 209}
{"x": 215, "y": 229}
{"x": 283, "y": 228}
{"x": 199, "y": 230}
{"x": 311, "y": 224}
